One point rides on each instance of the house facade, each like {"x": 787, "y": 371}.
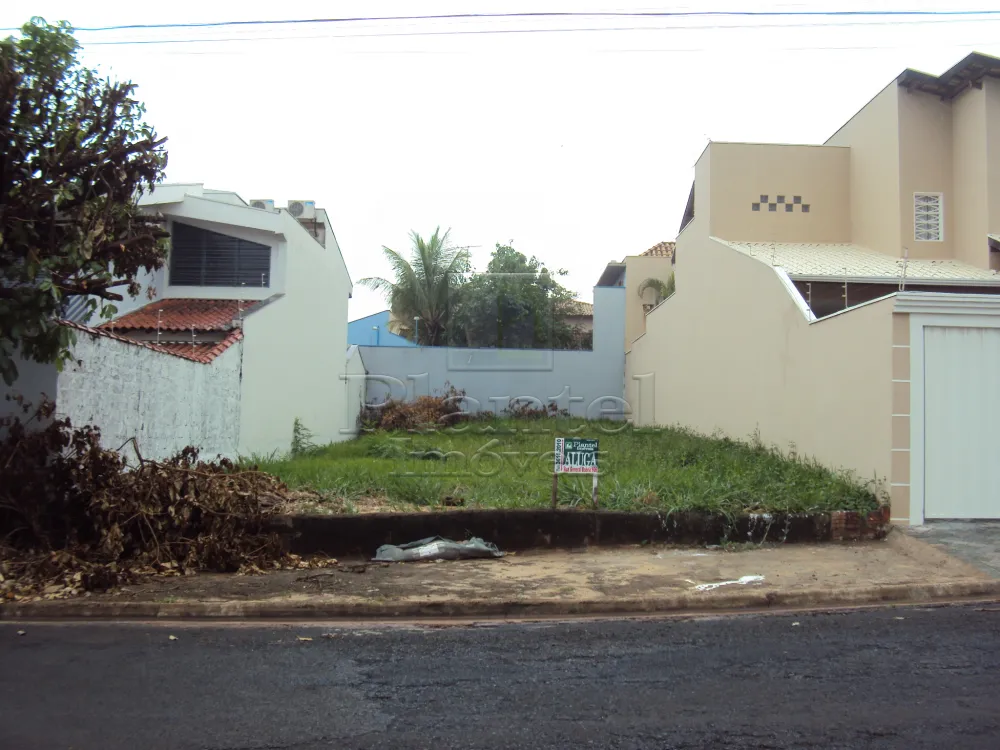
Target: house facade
{"x": 841, "y": 300}
{"x": 243, "y": 331}
{"x": 642, "y": 276}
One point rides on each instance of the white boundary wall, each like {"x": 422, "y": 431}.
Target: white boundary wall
{"x": 587, "y": 383}
{"x": 165, "y": 402}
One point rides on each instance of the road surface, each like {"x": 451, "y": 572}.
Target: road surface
{"x": 894, "y": 678}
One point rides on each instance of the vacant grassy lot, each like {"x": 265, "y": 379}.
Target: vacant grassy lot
{"x": 508, "y": 464}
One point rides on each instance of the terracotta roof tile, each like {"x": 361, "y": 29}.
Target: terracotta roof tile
{"x": 183, "y": 315}
{"x": 203, "y": 353}
{"x": 579, "y": 308}
{"x": 661, "y": 250}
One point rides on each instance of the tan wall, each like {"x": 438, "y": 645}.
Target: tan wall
{"x": 873, "y": 137}
{"x": 968, "y": 207}
{"x": 900, "y": 476}
{"x": 742, "y": 172}
{"x": 753, "y": 361}
{"x": 992, "y": 159}
{"x": 702, "y": 188}
{"x": 925, "y": 166}
{"x": 637, "y": 270}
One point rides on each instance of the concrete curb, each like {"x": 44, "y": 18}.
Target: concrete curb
{"x": 721, "y": 601}
{"x": 543, "y": 528}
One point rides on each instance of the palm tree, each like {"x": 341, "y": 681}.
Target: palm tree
{"x": 661, "y": 290}
{"x": 424, "y": 286}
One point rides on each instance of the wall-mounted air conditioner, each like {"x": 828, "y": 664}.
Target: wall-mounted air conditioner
{"x": 265, "y": 203}
{"x": 302, "y": 209}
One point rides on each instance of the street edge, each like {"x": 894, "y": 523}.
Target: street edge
{"x": 375, "y": 610}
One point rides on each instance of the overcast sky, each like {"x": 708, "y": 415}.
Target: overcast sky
{"x": 577, "y": 144}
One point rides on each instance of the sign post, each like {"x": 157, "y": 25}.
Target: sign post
{"x": 575, "y": 456}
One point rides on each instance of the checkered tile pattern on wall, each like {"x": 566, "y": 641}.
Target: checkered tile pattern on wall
{"x": 780, "y": 203}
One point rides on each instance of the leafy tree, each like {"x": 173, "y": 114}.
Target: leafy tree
{"x": 516, "y": 304}
{"x": 75, "y": 155}
{"x": 425, "y": 286}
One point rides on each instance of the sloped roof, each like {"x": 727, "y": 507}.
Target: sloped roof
{"x": 201, "y": 352}
{"x": 184, "y": 314}
{"x": 661, "y": 250}
{"x": 837, "y": 261}
{"x": 578, "y": 307}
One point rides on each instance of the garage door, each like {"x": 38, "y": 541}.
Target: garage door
{"x": 961, "y": 422}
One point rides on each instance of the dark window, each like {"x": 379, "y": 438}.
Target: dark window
{"x": 789, "y": 207}
{"x": 755, "y": 207}
{"x": 781, "y": 199}
{"x": 805, "y": 208}
{"x": 199, "y": 257}
{"x": 763, "y": 199}
{"x": 772, "y": 206}
{"x": 796, "y": 199}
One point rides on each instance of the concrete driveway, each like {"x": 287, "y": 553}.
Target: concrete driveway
{"x": 974, "y": 542}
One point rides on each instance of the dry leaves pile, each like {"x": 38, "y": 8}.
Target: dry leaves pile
{"x": 425, "y": 412}
{"x": 74, "y": 517}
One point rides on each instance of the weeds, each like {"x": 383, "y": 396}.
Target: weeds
{"x": 301, "y": 439}
{"x": 506, "y": 463}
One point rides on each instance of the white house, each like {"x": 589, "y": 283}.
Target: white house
{"x": 243, "y": 331}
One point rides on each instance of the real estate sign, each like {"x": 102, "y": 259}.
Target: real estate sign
{"x": 576, "y": 456}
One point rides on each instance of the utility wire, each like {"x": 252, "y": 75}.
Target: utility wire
{"x": 466, "y": 32}
{"x": 546, "y": 14}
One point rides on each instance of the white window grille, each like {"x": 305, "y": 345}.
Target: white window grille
{"x": 928, "y": 217}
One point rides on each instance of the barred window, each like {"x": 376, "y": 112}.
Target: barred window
{"x": 928, "y": 217}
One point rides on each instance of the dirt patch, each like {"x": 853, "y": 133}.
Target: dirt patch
{"x": 597, "y": 574}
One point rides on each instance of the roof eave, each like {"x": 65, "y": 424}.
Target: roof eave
{"x": 894, "y": 280}
{"x": 611, "y": 272}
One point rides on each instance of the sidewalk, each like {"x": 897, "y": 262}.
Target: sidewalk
{"x": 598, "y": 581}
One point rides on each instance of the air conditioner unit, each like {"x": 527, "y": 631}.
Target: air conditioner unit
{"x": 266, "y": 203}
{"x": 302, "y": 209}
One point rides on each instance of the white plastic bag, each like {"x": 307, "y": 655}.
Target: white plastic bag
{"x": 436, "y": 548}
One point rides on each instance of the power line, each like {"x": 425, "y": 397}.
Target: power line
{"x": 564, "y": 30}
{"x": 545, "y": 14}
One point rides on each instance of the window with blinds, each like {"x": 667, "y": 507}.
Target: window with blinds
{"x": 928, "y": 217}
{"x": 199, "y": 257}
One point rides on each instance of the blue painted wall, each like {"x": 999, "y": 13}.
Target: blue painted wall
{"x": 360, "y": 332}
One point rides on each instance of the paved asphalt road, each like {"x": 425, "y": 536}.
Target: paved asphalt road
{"x": 856, "y": 680}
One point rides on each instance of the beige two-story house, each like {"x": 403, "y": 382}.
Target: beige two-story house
{"x": 842, "y": 300}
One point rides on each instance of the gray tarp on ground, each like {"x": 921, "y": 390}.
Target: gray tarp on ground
{"x": 437, "y": 548}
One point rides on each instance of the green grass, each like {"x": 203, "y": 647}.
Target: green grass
{"x": 508, "y": 464}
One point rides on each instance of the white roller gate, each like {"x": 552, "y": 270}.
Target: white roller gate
{"x": 961, "y": 416}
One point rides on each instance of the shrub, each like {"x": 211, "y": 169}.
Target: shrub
{"x": 74, "y": 511}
